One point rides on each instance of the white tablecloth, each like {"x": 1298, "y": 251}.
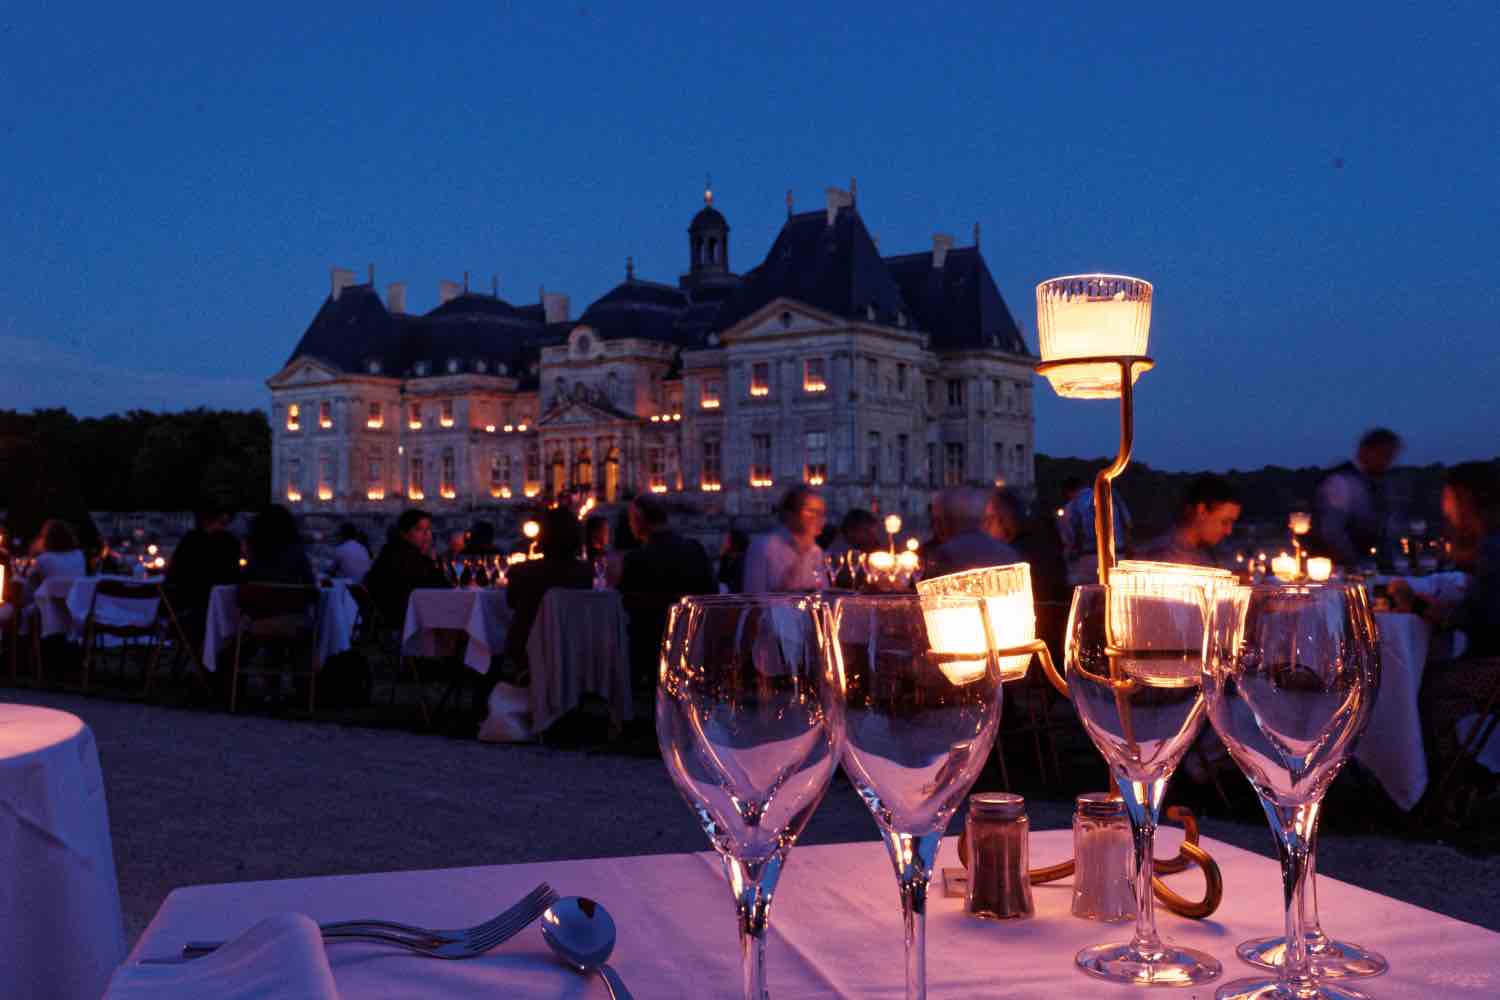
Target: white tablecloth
{"x": 337, "y": 613}
{"x": 59, "y": 902}
{"x": 1392, "y": 746}
{"x": 578, "y": 646}
{"x": 481, "y": 615}
{"x": 50, "y": 601}
{"x": 835, "y": 930}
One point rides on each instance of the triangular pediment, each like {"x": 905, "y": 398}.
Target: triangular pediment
{"x": 780, "y": 317}
{"x": 575, "y": 412}
{"x": 304, "y": 371}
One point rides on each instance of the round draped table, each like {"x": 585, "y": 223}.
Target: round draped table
{"x": 59, "y": 901}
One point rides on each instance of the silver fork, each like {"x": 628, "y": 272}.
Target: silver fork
{"x": 464, "y": 942}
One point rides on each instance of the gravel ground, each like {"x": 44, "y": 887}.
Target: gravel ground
{"x": 203, "y": 797}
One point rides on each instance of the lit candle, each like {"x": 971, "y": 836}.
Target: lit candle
{"x": 912, "y": 545}
{"x": 1284, "y": 567}
{"x": 1006, "y": 591}
{"x": 531, "y": 529}
{"x": 955, "y": 630}
{"x": 1166, "y": 602}
{"x": 1300, "y": 522}
{"x": 1092, "y": 315}
{"x": 1319, "y": 568}
{"x": 907, "y": 561}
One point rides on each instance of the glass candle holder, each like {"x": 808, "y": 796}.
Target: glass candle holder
{"x": 1088, "y": 316}
{"x": 1102, "y": 855}
{"x": 1006, "y": 591}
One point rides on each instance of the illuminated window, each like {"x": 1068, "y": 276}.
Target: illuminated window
{"x": 712, "y": 464}
{"x": 446, "y": 481}
{"x": 375, "y": 480}
{"x": 812, "y": 376}
{"x": 293, "y": 415}
{"x": 656, "y": 470}
{"x": 709, "y": 395}
{"x": 327, "y": 476}
{"x": 760, "y": 378}
{"x": 294, "y": 481}
{"x": 376, "y": 418}
{"x": 325, "y": 415}
{"x": 760, "y": 460}
{"x": 533, "y": 469}
{"x": 414, "y": 479}
{"x": 815, "y": 458}
{"x": 415, "y": 420}
{"x": 953, "y": 464}
{"x": 445, "y": 413}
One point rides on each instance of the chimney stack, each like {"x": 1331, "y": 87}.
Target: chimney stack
{"x": 837, "y": 198}
{"x": 395, "y": 297}
{"x": 448, "y": 291}
{"x": 342, "y": 279}
{"x": 941, "y": 244}
{"x": 555, "y": 307}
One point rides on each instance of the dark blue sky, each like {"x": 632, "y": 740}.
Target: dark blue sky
{"x": 174, "y": 186}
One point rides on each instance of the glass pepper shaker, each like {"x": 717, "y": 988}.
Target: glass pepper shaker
{"x": 996, "y": 831}
{"x": 1103, "y": 852}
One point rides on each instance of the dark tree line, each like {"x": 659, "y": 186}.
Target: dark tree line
{"x": 53, "y": 464}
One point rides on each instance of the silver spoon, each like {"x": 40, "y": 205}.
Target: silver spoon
{"x": 582, "y": 933}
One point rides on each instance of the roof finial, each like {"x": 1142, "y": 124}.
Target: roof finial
{"x": 708, "y": 189}
{"x": 976, "y": 236}
{"x": 629, "y": 268}
{"x": 853, "y": 190}
{"x": 788, "y": 203}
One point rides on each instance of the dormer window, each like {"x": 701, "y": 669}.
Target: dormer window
{"x": 373, "y": 367}
{"x": 812, "y": 376}
{"x": 422, "y": 368}
{"x": 453, "y": 366}
{"x": 760, "y": 378}
{"x": 445, "y": 413}
{"x": 325, "y": 415}
{"x": 293, "y": 417}
{"x": 786, "y": 320}
{"x": 480, "y": 367}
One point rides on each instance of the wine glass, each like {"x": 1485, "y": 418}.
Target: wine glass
{"x": 1290, "y": 680}
{"x": 922, "y": 704}
{"x": 1134, "y": 664}
{"x": 749, "y": 717}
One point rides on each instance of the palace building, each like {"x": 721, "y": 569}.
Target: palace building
{"x": 877, "y": 379}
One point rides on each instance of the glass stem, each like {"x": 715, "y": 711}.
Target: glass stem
{"x": 753, "y": 885}
{"x": 1294, "y": 827}
{"x": 1316, "y": 939}
{"x": 1142, "y": 804}
{"x": 913, "y": 858}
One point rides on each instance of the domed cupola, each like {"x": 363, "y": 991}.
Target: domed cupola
{"x": 708, "y": 239}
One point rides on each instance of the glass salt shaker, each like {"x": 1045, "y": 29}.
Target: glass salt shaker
{"x": 996, "y": 831}
{"x": 1103, "y": 851}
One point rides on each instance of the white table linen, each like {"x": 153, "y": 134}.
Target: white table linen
{"x": 337, "y": 613}
{"x": 577, "y": 646}
{"x": 481, "y": 615}
{"x": 59, "y": 900}
{"x": 835, "y": 929}
{"x": 1392, "y": 747}
{"x": 50, "y": 601}
{"x": 280, "y": 958}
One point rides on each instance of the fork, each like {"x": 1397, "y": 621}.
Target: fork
{"x": 464, "y": 942}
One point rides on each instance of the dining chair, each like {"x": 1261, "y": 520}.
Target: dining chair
{"x": 1472, "y": 690}
{"x": 127, "y": 625}
{"x": 276, "y": 617}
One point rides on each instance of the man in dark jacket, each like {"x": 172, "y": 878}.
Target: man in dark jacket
{"x": 207, "y": 556}
{"x": 405, "y": 564}
{"x": 664, "y": 569}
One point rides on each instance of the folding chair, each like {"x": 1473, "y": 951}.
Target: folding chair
{"x": 281, "y": 617}
{"x": 176, "y": 632}
{"x": 1466, "y": 688}
{"x": 116, "y": 624}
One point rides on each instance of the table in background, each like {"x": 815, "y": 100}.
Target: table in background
{"x": 482, "y": 616}
{"x": 578, "y": 646}
{"x": 337, "y": 613}
{"x": 49, "y": 607}
{"x": 835, "y": 929}
{"x": 59, "y": 901}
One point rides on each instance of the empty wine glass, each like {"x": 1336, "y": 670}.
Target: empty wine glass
{"x": 1134, "y": 663}
{"x": 1290, "y": 680}
{"x": 922, "y": 703}
{"x": 749, "y": 717}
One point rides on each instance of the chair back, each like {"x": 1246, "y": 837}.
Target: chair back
{"x": 124, "y": 606}
{"x": 274, "y": 600}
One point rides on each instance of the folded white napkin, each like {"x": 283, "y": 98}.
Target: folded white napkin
{"x": 280, "y": 958}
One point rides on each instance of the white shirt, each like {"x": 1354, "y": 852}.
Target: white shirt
{"x": 774, "y": 564}
{"x": 351, "y": 560}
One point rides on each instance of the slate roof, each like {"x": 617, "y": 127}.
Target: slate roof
{"x": 958, "y": 304}
{"x": 834, "y": 268}
{"x": 636, "y": 308}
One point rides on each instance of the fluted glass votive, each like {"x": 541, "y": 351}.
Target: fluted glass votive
{"x": 1006, "y": 591}
{"x": 1090, "y": 316}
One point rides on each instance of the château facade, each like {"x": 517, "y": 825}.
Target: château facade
{"x": 877, "y": 379}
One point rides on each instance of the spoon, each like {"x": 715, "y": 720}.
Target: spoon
{"x": 582, "y": 933}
